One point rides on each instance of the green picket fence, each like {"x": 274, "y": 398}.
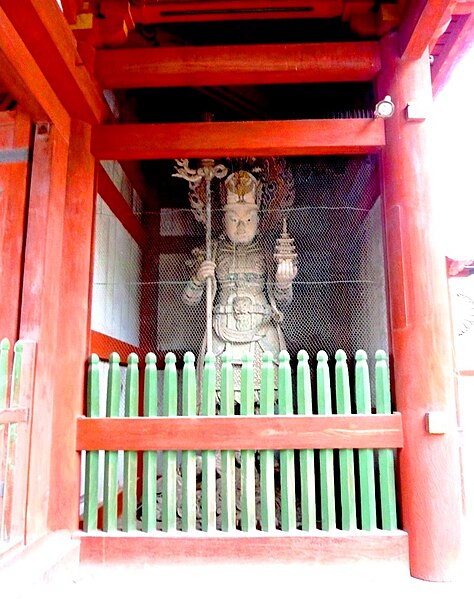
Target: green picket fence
{"x": 16, "y": 387}
{"x": 305, "y": 462}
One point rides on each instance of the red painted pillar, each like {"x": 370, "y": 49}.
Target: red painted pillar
{"x": 40, "y": 309}
{"x": 73, "y": 328}
{"x": 421, "y": 338}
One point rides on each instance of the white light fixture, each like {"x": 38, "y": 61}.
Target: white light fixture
{"x": 384, "y": 109}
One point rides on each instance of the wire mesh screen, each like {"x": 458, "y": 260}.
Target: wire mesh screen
{"x": 339, "y": 291}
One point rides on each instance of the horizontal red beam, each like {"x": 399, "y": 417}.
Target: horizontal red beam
{"x": 12, "y": 415}
{"x": 240, "y": 432}
{"x": 250, "y": 138}
{"x": 116, "y": 202}
{"x": 232, "y": 10}
{"x": 237, "y": 65}
{"x": 319, "y": 547}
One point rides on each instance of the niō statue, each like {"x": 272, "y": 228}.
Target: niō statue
{"x": 249, "y": 287}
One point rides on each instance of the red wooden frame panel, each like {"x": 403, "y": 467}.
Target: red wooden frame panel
{"x": 229, "y": 65}
{"x": 321, "y": 547}
{"x": 249, "y": 138}
{"x": 240, "y": 432}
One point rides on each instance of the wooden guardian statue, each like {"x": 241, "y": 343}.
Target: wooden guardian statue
{"x": 249, "y": 288}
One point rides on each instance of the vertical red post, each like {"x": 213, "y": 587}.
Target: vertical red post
{"x": 40, "y": 309}
{"x": 73, "y": 328}
{"x": 421, "y": 336}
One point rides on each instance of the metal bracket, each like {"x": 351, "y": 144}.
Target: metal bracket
{"x": 43, "y": 128}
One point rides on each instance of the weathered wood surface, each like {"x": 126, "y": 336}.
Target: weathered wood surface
{"x": 229, "y": 65}
{"x": 240, "y": 432}
{"x": 208, "y": 140}
{"x": 318, "y": 547}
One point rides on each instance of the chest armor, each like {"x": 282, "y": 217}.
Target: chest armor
{"x": 241, "y": 310}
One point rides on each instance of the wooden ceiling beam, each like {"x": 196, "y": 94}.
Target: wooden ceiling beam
{"x": 420, "y": 23}
{"x": 46, "y": 34}
{"x": 250, "y": 138}
{"x": 237, "y": 65}
{"x": 25, "y": 81}
{"x": 232, "y": 10}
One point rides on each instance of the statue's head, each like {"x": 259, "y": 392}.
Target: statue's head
{"x": 241, "y": 207}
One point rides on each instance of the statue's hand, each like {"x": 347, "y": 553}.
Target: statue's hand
{"x": 206, "y": 269}
{"x": 285, "y": 273}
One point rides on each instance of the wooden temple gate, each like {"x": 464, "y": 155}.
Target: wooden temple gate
{"x": 64, "y": 127}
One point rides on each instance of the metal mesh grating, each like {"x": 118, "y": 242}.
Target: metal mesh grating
{"x": 339, "y": 293}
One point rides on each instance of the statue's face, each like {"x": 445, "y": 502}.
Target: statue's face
{"x": 241, "y": 223}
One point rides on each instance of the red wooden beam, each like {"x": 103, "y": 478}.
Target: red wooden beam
{"x": 250, "y": 138}
{"x": 319, "y": 547}
{"x": 419, "y": 23}
{"x": 25, "y": 81}
{"x": 46, "y": 34}
{"x": 237, "y": 65}
{"x": 232, "y": 10}
{"x": 116, "y": 202}
{"x": 240, "y": 432}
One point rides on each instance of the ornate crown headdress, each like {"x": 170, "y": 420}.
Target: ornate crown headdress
{"x": 242, "y": 188}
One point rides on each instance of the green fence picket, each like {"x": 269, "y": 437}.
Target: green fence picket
{"x": 208, "y": 498}
{"x": 346, "y": 456}
{"x": 287, "y": 456}
{"x": 91, "y": 482}
{"x": 170, "y": 408}
{"x": 130, "y": 459}
{"x": 4, "y": 361}
{"x": 326, "y": 456}
{"x": 150, "y": 409}
{"x": 368, "y": 510}
{"x": 189, "y": 457}
{"x": 4, "y": 356}
{"x": 267, "y": 459}
{"x": 307, "y": 477}
{"x": 111, "y": 457}
{"x": 227, "y": 457}
{"x": 386, "y": 456}
{"x": 247, "y": 408}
